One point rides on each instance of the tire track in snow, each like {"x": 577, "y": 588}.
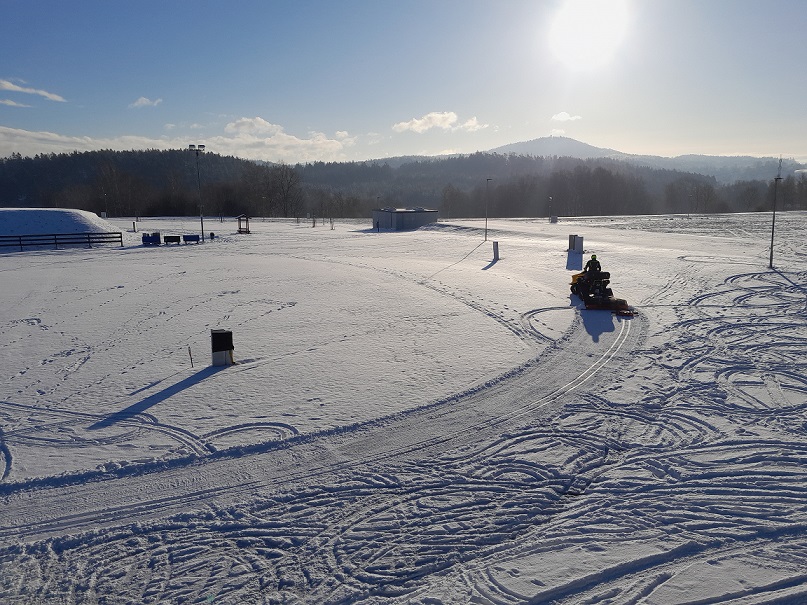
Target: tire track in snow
{"x": 380, "y": 470}
{"x": 453, "y": 423}
{"x": 5, "y": 454}
{"x": 666, "y": 486}
{"x": 523, "y": 330}
{"x": 637, "y": 497}
{"x": 719, "y": 483}
{"x": 54, "y": 432}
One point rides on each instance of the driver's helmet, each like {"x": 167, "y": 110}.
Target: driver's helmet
{"x": 593, "y": 257}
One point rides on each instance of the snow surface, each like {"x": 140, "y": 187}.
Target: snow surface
{"x": 408, "y": 420}
{"x": 45, "y": 221}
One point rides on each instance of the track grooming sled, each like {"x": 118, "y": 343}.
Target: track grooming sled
{"x": 594, "y": 290}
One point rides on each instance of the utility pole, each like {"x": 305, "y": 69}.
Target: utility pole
{"x": 199, "y": 149}
{"x": 773, "y": 222}
{"x": 487, "y": 182}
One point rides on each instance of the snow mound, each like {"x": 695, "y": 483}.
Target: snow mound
{"x": 39, "y": 221}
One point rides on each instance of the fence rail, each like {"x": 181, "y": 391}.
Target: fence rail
{"x": 64, "y": 239}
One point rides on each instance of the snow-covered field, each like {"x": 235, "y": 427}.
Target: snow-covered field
{"x": 408, "y": 421}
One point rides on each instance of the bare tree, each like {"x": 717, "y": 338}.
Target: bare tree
{"x": 289, "y": 193}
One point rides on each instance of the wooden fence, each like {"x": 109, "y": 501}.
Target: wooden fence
{"x": 63, "y": 239}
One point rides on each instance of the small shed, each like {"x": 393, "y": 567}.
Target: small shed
{"x": 243, "y": 223}
{"x": 401, "y": 219}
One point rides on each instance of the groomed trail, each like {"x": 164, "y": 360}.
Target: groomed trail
{"x": 463, "y": 423}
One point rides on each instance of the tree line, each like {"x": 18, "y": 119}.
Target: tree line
{"x": 181, "y": 183}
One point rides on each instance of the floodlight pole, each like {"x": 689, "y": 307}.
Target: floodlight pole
{"x": 487, "y": 182}
{"x": 199, "y": 149}
{"x": 773, "y": 222}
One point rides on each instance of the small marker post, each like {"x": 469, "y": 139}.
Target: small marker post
{"x": 190, "y": 355}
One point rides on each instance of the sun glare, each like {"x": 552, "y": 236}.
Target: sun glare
{"x": 586, "y": 33}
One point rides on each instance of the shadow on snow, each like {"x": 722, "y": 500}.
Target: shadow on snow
{"x": 152, "y": 400}
{"x": 596, "y": 321}
{"x": 574, "y": 261}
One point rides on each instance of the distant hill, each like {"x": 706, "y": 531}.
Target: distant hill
{"x": 558, "y": 146}
{"x": 725, "y": 169}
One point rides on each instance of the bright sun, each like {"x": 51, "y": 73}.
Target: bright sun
{"x": 586, "y": 33}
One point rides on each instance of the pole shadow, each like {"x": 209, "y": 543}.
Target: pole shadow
{"x": 152, "y": 400}
{"x": 790, "y": 281}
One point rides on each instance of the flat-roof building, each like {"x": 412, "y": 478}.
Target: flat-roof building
{"x": 401, "y": 219}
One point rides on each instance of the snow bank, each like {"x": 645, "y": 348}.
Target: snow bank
{"x": 39, "y": 221}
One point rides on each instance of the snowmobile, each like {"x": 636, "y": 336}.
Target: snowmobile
{"x": 593, "y": 288}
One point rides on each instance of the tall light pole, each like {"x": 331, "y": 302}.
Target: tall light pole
{"x": 487, "y": 182}
{"x": 199, "y": 149}
{"x": 773, "y": 222}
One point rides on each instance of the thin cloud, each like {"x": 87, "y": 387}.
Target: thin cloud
{"x": 259, "y": 139}
{"x": 473, "y": 125}
{"x": 11, "y": 87}
{"x": 30, "y": 143}
{"x": 565, "y": 116}
{"x": 144, "y": 102}
{"x": 445, "y": 120}
{"x": 435, "y": 119}
{"x": 11, "y": 103}
{"x": 252, "y": 138}
{"x": 252, "y": 126}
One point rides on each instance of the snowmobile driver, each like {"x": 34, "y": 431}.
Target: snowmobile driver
{"x": 593, "y": 267}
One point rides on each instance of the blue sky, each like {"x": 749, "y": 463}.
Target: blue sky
{"x": 305, "y": 80}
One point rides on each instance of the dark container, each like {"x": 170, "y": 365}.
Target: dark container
{"x": 221, "y": 340}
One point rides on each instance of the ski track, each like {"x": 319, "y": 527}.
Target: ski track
{"x": 700, "y": 479}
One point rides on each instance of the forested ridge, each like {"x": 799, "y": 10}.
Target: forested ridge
{"x": 182, "y": 183}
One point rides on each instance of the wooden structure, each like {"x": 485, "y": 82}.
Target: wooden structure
{"x": 243, "y": 223}
{"x": 63, "y": 239}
